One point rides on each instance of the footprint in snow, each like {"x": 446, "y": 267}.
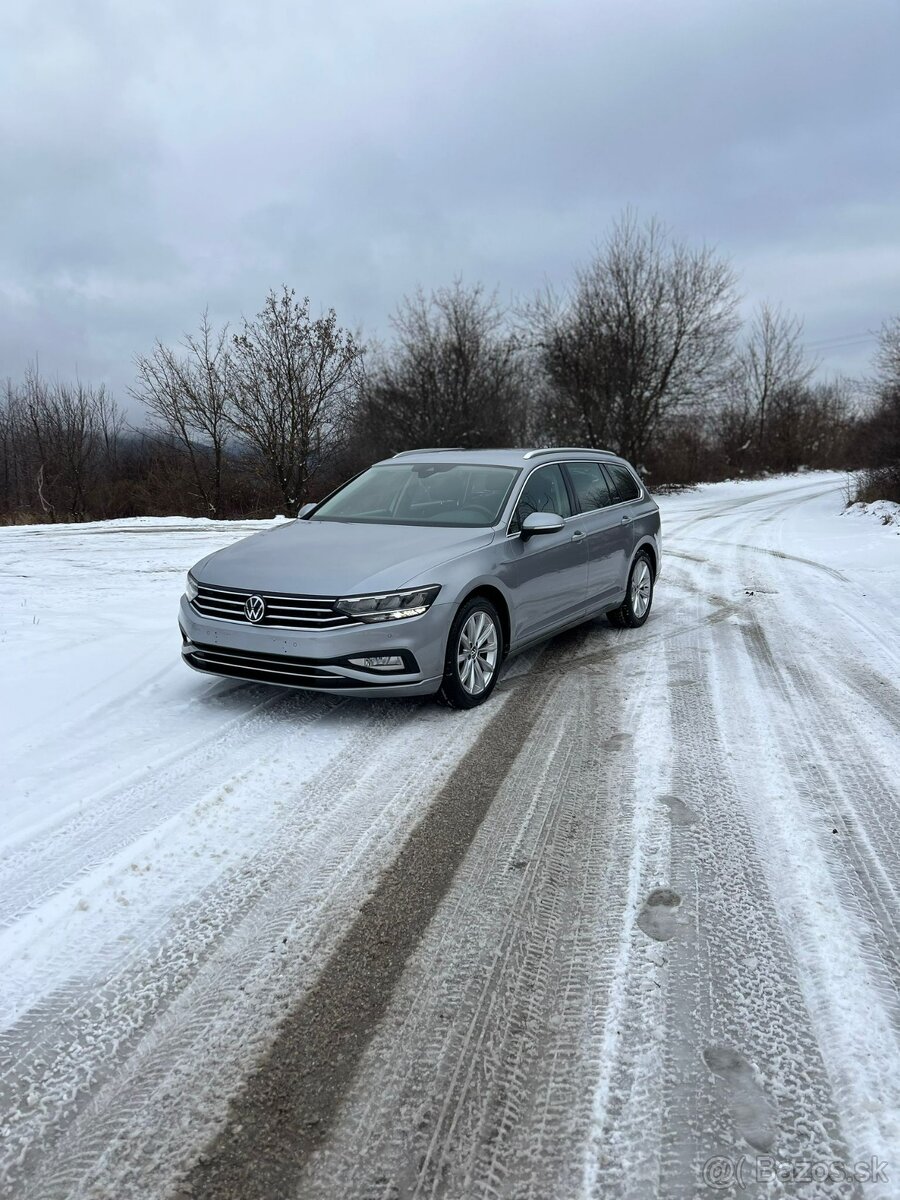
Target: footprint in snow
{"x": 679, "y": 811}
{"x": 753, "y": 1113}
{"x": 659, "y": 916}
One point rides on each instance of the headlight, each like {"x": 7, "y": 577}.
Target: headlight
{"x": 191, "y": 590}
{"x": 389, "y": 606}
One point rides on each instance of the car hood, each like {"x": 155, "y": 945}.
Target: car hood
{"x": 330, "y": 558}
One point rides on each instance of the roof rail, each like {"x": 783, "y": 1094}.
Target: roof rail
{"x": 568, "y": 450}
{"x": 427, "y": 450}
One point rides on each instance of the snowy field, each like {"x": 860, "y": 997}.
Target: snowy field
{"x": 669, "y": 937}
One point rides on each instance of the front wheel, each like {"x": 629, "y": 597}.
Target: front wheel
{"x": 635, "y": 608}
{"x": 474, "y": 654}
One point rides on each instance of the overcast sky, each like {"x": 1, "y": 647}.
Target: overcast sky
{"x": 158, "y": 158}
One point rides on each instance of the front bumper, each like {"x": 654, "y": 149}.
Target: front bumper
{"x": 317, "y": 659}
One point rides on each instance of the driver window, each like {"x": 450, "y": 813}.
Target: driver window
{"x": 544, "y": 491}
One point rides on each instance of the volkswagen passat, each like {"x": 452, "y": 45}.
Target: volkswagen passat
{"x": 423, "y": 573}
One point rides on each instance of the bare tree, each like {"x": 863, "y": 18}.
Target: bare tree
{"x": 187, "y": 391}
{"x": 295, "y": 381}
{"x": 73, "y": 430}
{"x": 13, "y": 449}
{"x": 453, "y": 375}
{"x": 880, "y": 435}
{"x": 771, "y": 366}
{"x": 887, "y": 356}
{"x": 809, "y": 425}
{"x": 642, "y": 336}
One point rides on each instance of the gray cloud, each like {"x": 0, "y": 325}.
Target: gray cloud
{"x": 159, "y": 158}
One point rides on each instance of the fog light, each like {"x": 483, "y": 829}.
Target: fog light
{"x": 379, "y": 662}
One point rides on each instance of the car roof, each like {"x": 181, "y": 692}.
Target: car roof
{"x": 503, "y": 458}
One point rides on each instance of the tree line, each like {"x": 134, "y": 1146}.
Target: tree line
{"x": 644, "y": 353}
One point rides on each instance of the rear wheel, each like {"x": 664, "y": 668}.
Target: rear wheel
{"x": 474, "y": 654}
{"x": 635, "y": 608}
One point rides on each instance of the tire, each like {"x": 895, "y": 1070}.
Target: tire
{"x": 635, "y": 608}
{"x": 476, "y": 638}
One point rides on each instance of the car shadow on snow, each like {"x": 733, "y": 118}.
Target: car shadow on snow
{"x": 236, "y": 696}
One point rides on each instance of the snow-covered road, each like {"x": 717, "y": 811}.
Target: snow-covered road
{"x": 637, "y": 915}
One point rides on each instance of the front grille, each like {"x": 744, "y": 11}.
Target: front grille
{"x": 282, "y": 612}
{"x": 272, "y": 668}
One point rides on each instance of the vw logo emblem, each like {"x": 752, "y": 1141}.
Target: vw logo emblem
{"x": 254, "y": 609}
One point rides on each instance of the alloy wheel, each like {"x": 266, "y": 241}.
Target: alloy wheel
{"x": 476, "y": 653}
{"x": 641, "y": 587}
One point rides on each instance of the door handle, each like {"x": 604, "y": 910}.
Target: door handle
{"x": 577, "y": 535}
{"x": 626, "y": 519}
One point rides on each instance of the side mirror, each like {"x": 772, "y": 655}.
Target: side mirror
{"x": 304, "y": 509}
{"x": 541, "y": 522}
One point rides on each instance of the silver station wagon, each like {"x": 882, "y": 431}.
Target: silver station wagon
{"x": 423, "y": 573}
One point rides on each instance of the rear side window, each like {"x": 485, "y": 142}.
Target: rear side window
{"x": 544, "y": 491}
{"x": 624, "y": 482}
{"x": 591, "y": 488}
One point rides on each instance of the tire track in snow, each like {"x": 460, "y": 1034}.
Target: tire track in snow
{"x": 798, "y": 727}
{"x": 194, "y": 990}
{"x": 574, "y": 646}
{"x": 782, "y": 554}
{"x": 478, "y": 1083}
{"x": 732, "y": 981}
{"x": 839, "y": 766}
{"x": 883, "y": 636}
{"x": 68, "y": 737}
{"x": 735, "y": 509}
{"x": 120, "y": 815}
{"x": 515, "y": 1111}
{"x": 821, "y": 922}
{"x": 845, "y": 789}
{"x": 83, "y": 723}
{"x": 110, "y": 999}
{"x": 286, "y": 1108}
{"x": 873, "y": 689}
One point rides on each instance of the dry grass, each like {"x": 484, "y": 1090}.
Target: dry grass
{"x": 23, "y": 518}
{"x": 876, "y": 483}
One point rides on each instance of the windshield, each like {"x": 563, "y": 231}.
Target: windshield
{"x": 451, "y": 494}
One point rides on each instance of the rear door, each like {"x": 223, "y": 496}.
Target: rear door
{"x": 547, "y": 573}
{"x": 609, "y": 533}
